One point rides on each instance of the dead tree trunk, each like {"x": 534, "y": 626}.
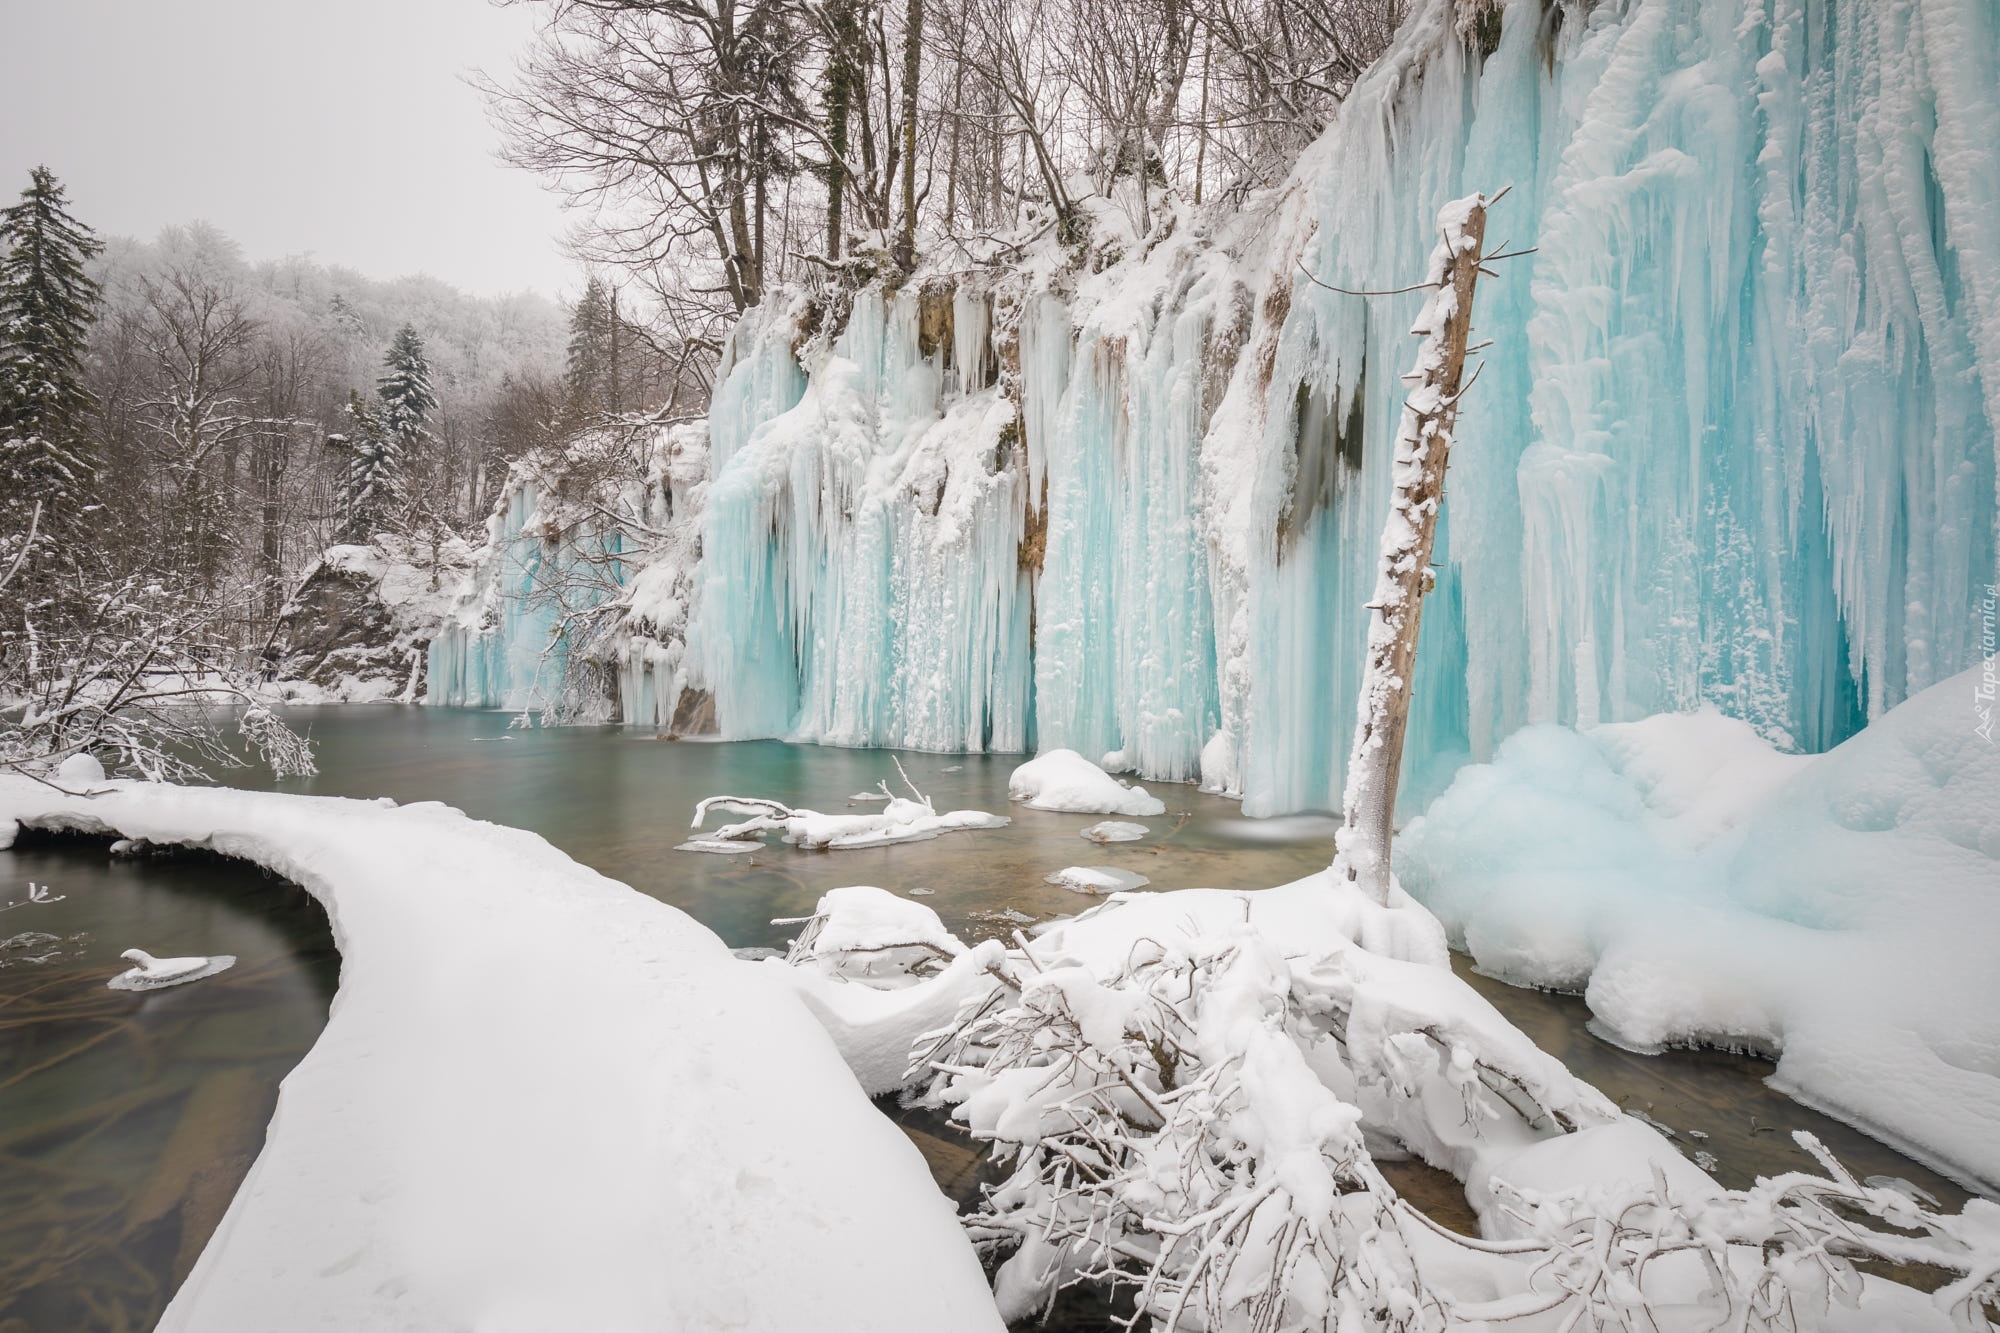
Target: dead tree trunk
{"x": 1423, "y": 444}
{"x": 913, "y": 37}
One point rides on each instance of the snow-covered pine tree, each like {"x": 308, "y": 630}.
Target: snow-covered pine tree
{"x": 47, "y": 303}
{"x": 408, "y": 397}
{"x": 398, "y": 453}
{"x": 591, "y": 380}
{"x": 374, "y": 481}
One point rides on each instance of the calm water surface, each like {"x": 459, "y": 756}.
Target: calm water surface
{"x": 127, "y": 1120}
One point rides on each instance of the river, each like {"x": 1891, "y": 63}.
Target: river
{"x": 126, "y": 1121}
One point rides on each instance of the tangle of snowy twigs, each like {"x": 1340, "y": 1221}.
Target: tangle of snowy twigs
{"x": 1169, "y": 1134}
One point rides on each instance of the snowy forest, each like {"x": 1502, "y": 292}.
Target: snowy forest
{"x": 1228, "y": 665}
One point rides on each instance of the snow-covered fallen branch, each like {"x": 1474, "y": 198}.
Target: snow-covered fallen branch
{"x": 1192, "y": 1090}
{"x": 901, "y": 819}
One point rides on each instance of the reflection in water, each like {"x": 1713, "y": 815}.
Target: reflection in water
{"x": 127, "y": 1120}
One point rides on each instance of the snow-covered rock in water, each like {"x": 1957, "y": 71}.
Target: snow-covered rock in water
{"x": 542, "y": 1100}
{"x": 878, "y": 972}
{"x": 1840, "y": 911}
{"x": 1065, "y": 780}
{"x": 716, "y": 846}
{"x": 1097, "y": 879}
{"x": 360, "y": 624}
{"x": 1114, "y": 830}
{"x": 150, "y": 973}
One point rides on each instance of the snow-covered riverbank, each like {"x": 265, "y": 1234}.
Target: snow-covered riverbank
{"x": 1836, "y": 911}
{"x": 542, "y": 1100}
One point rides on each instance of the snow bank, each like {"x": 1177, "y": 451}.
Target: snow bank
{"x": 1065, "y": 780}
{"x": 1842, "y": 911}
{"x": 542, "y": 1101}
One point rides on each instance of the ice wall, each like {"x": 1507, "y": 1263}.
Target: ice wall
{"x": 861, "y": 548}
{"x": 578, "y": 606}
{"x": 500, "y": 648}
{"x": 1734, "y": 440}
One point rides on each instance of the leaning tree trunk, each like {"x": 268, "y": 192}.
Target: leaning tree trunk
{"x": 1423, "y": 444}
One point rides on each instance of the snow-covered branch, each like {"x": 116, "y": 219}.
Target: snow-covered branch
{"x": 1192, "y": 1091}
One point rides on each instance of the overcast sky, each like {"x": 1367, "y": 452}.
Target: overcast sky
{"x": 340, "y": 128}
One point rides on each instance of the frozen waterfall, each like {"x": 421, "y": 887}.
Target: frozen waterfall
{"x": 1733, "y": 442}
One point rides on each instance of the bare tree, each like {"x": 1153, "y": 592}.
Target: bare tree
{"x": 670, "y": 120}
{"x": 195, "y": 332}
{"x": 136, "y": 671}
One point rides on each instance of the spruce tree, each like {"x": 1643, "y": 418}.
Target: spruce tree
{"x": 590, "y": 380}
{"x": 47, "y": 303}
{"x": 374, "y": 483}
{"x": 408, "y": 399}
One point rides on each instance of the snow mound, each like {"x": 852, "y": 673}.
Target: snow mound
{"x": 1064, "y": 780}
{"x": 1841, "y": 911}
{"x": 81, "y": 770}
{"x": 1114, "y": 830}
{"x": 542, "y": 1101}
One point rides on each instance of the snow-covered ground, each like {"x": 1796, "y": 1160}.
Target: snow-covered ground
{"x": 1841, "y": 911}
{"x": 542, "y": 1101}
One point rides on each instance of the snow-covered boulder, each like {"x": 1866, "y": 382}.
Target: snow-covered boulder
{"x": 1097, "y": 879}
{"x": 360, "y": 623}
{"x": 542, "y": 1101}
{"x": 1065, "y": 780}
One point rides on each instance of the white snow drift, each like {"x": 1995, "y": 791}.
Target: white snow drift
{"x": 542, "y": 1101}
{"x": 1841, "y": 911}
{"x": 1065, "y": 780}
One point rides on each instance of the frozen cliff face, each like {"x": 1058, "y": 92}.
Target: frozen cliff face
{"x": 578, "y": 606}
{"x": 1733, "y": 441}
{"x": 863, "y": 535}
